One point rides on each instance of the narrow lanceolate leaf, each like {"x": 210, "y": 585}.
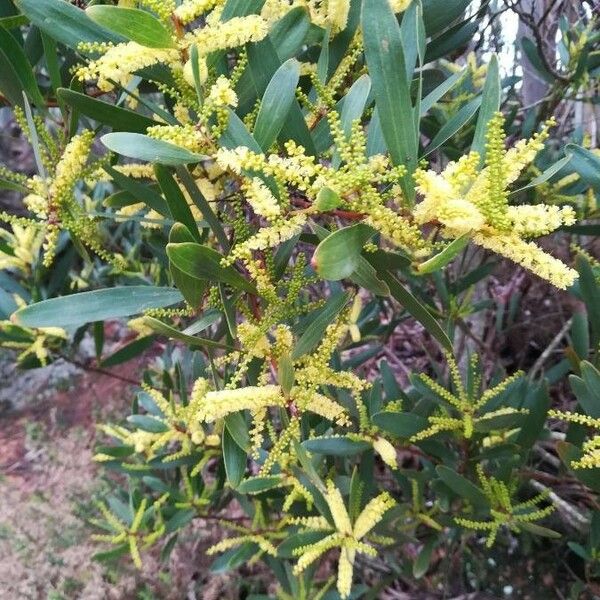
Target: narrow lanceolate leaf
{"x": 15, "y": 65}
{"x": 453, "y": 125}
{"x": 401, "y": 424}
{"x": 586, "y": 163}
{"x": 237, "y": 134}
{"x": 440, "y": 91}
{"x": 490, "y": 104}
{"x": 170, "y": 332}
{"x": 204, "y": 263}
{"x": 234, "y": 458}
{"x": 314, "y": 332}
{"x": 417, "y": 310}
{"x": 336, "y": 446}
{"x": 178, "y": 206}
{"x": 119, "y": 119}
{"x": 336, "y": 257}
{"x": 134, "y": 24}
{"x": 590, "y": 292}
{"x": 142, "y": 147}
{"x": 385, "y": 59}
{"x": 462, "y": 486}
{"x": 276, "y": 103}
{"x": 98, "y": 305}
{"x": 64, "y": 22}
{"x": 437, "y": 262}
{"x": 547, "y": 174}
{"x": 438, "y": 14}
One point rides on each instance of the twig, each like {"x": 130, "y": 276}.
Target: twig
{"x": 539, "y": 363}
{"x": 570, "y": 513}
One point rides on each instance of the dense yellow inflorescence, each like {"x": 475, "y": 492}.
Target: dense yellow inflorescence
{"x": 467, "y": 200}
{"x": 344, "y": 534}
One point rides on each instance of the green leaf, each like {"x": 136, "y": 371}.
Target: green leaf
{"x": 336, "y": 257}
{"x": 335, "y": 446}
{"x": 587, "y": 389}
{"x": 590, "y": 292}
{"x": 142, "y": 147}
{"x": 237, "y": 134}
{"x": 205, "y": 208}
{"x": 314, "y": 332}
{"x": 192, "y": 290}
{"x": 180, "y": 519}
{"x": 64, "y": 22}
{"x": 288, "y": 34}
{"x": 234, "y": 458}
{"x": 178, "y": 206}
{"x": 257, "y": 485}
{"x": 134, "y": 24}
{"x": 417, "y": 310}
{"x": 128, "y": 352}
{"x": 401, "y": 424}
{"x": 438, "y": 14}
{"x": 462, "y": 487}
{"x": 451, "y": 40}
{"x": 276, "y": 103}
{"x": 490, "y": 104}
{"x": 385, "y": 60}
{"x": 453, "y": 125}
{"x": 486, "y": 424}
{"x": 539, "y": 530}
{"x": 98, "y": 305}
{"x": 537, "y": 402}
{"x": 263, "y": 62}
{"x": 148, "y": 423}
{"x": 532, "y": 53}
{"x": 422, "y": 562}
{"x": 238, "y": 428}
{"x": 437, "y": 262}
{"x": 586, "y": 163}
{"x": 204, "y": 263}
{"x": 547, "y": 174}
{"x": 139, "y": 191}
{"x": 365, "y": 275}
{"x": 14, "y": 64}
{"x": 327, "y": 200}
{"x": 119, "y": 119}
{"x": 170, "y": 332}
{"x": 285, "y": 373}
{"x": 440, "y": 91}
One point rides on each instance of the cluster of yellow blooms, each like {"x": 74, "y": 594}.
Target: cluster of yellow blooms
{"x": 503, "y": 513}
{"x": 591, "y": 447}
{"x": 343, "y": 534}
{"x": 52, "y": 196}
{"x": 464, "y": 200}
{"x": 471, "y": 411}
{"x": 266, "y": 199}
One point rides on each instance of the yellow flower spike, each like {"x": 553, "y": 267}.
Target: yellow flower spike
{"x": 463, "y": 200}
{"x": 387, "y": 452}
{"x": 261, "y": 199}
{"x": 189, "y": 10}
{"x": 338, "y": 509}
{"x": 503, "y": 513}
{"x": 346, "y": 571}
{"x": 344, "y": 535}
{"x": 119, "y": 63}
{"x": 217, "y": 405}
{"x": 230, "y": 34}
{"x": 471, "y": 408}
